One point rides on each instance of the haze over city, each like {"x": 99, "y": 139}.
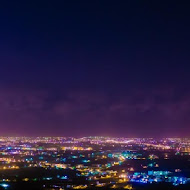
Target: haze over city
{"x": 94, "y": 95}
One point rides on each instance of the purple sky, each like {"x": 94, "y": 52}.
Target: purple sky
{"x": 95, "y": 68}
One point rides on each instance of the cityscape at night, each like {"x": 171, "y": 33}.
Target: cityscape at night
{"x": 94, "y": 163}
{"x": 94, "y": 94}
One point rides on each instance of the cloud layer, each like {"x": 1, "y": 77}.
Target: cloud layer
{"x": 138, "y": 113}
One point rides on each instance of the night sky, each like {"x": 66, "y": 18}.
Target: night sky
{"x": 95, "y": 67}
